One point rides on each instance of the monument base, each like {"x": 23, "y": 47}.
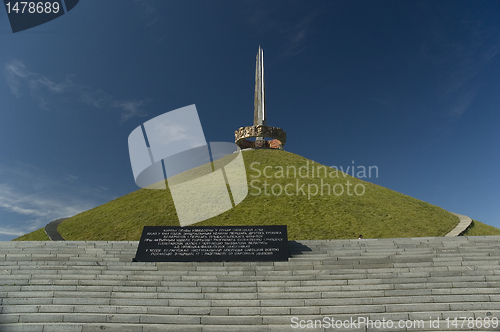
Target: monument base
{"x": 272, "y": 144}
{"x": 278, "y": 136}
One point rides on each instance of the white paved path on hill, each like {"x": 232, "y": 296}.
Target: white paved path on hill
{"x": 462, "y": 225}
{"x": 94, "y": 286}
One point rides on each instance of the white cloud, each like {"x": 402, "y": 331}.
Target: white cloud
{"x": 463, "y": 102}
{"x": 8, "y": 231}
{"x": 70, "y": 177}
{"x": 293, "y": 25}
{"x": 49, "y": 85}
{"x": 30, "y": 197}
{"x": 17, "y": 68}
{"x": 94, "y": 98}
{"x": 458, "y": 54}
{"x": 51, "y": 94}
{"x": 298, "y": 33}
{"x": 130, "y": 109}
{"x": 101, "y": 188}
{"x": 12, "y": 207}
{"x": 155, "y": 21}
{"x": 37, "y": 204}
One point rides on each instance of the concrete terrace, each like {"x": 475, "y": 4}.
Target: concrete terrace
{"x": 93, "y": 286}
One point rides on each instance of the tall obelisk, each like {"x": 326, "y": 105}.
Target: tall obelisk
{"x": 259, "y": 104}
{"x": 260, "y": 129}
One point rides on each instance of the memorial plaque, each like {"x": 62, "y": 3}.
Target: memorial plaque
{"x": 212, "y": 244}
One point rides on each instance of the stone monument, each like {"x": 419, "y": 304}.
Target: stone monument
{"x": 260, "y": 130}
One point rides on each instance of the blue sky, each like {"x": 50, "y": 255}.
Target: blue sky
{"x": 409, "y": 86}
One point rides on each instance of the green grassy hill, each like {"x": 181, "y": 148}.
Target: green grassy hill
{"x": 378, "y": 213}
{"x": 478, "y": 228}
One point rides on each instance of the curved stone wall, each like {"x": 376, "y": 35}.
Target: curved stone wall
{"x": 276, "y": 133}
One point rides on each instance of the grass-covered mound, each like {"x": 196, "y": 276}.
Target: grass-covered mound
{"x": 477, "y": 228}
{"x": 377, "y": 213}
{"x": 38, "y": 235}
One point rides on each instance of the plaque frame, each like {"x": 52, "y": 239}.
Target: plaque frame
{"x": 213, "y": 244}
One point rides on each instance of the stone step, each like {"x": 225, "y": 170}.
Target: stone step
{"x": 425, "y": 322}
{"x": 249, "y": 298}
{"x": 324, "y": 291}
{"x": 233, "y": 316}
{"x": 241, "y": 276}
{"x": 94, "y": 286}
{"x": 235, "y": 311}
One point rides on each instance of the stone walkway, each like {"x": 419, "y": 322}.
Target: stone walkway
{"x": 462, "y": 225}
{"x": 51, "y": 230}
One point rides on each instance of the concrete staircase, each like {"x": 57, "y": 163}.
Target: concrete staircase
{"x": 94, "y": 286}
